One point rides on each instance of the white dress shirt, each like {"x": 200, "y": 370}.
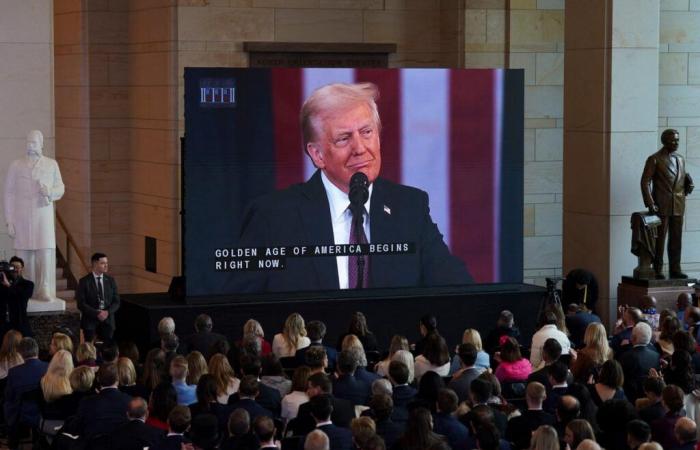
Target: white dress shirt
{"x": 341, "y": 218}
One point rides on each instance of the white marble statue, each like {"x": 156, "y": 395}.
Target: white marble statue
{"x": 32, "y": 185}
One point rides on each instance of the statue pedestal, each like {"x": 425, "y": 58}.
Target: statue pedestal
{"x": 630, "y": 291}
{"x": 43, "y": 306}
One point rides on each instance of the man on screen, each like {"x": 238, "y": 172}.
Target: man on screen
{"x": 341, "y": 134}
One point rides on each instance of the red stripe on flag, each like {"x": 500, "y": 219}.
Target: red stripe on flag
{"x": 389, "y": 105}
{"x": 286, "y": 103}
{"x": 472, "y": 198}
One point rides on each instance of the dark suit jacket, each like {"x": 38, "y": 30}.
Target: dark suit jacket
{"x": 652, "y": 412}
{"x": 300, "y": 215}
{"x": 577, "y": 324}
{"x": 332, "y": 354}
{"x": 365, "y": 375}
{"x": 13, "y": 304}
{"x": 20, "y": 380}
{"x": 350, "y": 388}
{"x": 173, "y": 442}
{"x": 202, "y": 342}
{"x": 269, "y": 398}
{"x": 135, "y": 435}
{"x": 88, "y": 304}
{"x": 456, "y": 433}
{"x": 102, "y": 413}
{"x": 462, "y": 383}
{"x": 402, "y": 396}
{"x": 339, "y": 438}
{"x": 520, "y": 428}
{"x": 663, "y": 185}
{"x": 390, "y": 431}
{"x": 253, "y": 408}
{"x": 342, "y": 415}
{"x": 542, "y": 376}
{"x": 636, "y": 363}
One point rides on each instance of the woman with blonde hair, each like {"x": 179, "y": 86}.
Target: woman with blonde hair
{"x": 9, "y": 357}
{"x": 483, "y": 361}
{"x": 253, "y": 330}
{"x": 126, "y": 374}
{"x": 196, "y": 367}
{"x": 353, "y": 343}
{"x": 292, "y": 338}
{"x": 593, "y": 355}
{"x": 398, "y": 342}
{"x": 60, "y": 341}
{"x": 544, "y": 438}
{"x": 225, "y": 378}
{"x": 86, "y": 355}
{"x": 56, "y": 383}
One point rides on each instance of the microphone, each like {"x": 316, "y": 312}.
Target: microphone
{"x": 359, "y": 191}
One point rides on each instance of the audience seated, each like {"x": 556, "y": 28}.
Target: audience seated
{"x": 558, "y": 385}
{"x": 127, "y": 379}
{"x": 343, "y": 410}
{"x": 321, "y": 407}
{"x": 226, "y": 381}
{"x": 86, "y": 355}
{"x": 398, "y": 342}
{"x": 204, "y": 338}
{"x": 291, "y": 401}
{"x": 9, "y": 356}
{"x": 638, "y": 433}
{"x": 568, "y": 409}
{"x": 512, "y": 367}
{"x": 480, "y": 394}
{"x": 638, "y": 360}
{"x": 253, "y": 331}
{"x": 623, "y": 328}
{"x": 505, "y": 326}
{"x": 686, "y": 434}
{"x": 103, "y": 413}
{"x": 662, "y": 430}
{"x": 154, "y": 369}
{"x": 178, "y": 423}
{"x": 402, "y": 393}
{"x": 664, "y": 343}
{"x": 612, "y": 418}
{"x": 545, "y": 438}
{"x": 247, "y": 394}
{"x": 186, "y": 394}
{"x": 435, "y": 357}
{"x": 346, "y": 385}
{"x": 239, "y": 435}
{"x": 428, "y": 388}
{"x": 551, "y": 351}
{"x": 60, "y": 341}
{"x": 577, "y": 321}
{"x": 358, "y": 327}
{"x": 207, "y": 402}
{"x": 427, "y": 325}
{"x": 548, "y": 330}
{"x": 593, "y": 355}
{"x": 316, "y": 331}
{"x": 468, "y": 371}
{"x": 23, "y": 379}
{"x": 135, "y": 434}
{"x": 520, "y": 428}
{"x": 267, "y": 397}
{"x": 163, "y": 400}
{"x": 204, "y": 432}
{"x": 382, "y": 407}
{"x": 362, "y": 429}
{"x": 264, "y": 431}
{"x": 483, "y": 360}
{"x": 353, "y": 344}
{"x": 650, "y": 407}
{"x": 446, "y": 424}
{"x": 577, "y": 431}
{"x": 273, "y": 376}
{"x": 316, "y": 440}
{"x": 196, "y": 367}
{"x": 419, "y": 434}
{"x": 609, "y": 385}
{"x": 292, "y": 338}
{"x": 56, "y": 388}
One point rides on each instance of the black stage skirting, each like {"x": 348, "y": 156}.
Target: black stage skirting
{"x": 388, "y": 312}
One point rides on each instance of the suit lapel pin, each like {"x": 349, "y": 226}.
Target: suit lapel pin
{"x": 387, "y": 210}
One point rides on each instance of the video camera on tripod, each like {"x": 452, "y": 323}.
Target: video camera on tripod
{"x": 553, "y": 295}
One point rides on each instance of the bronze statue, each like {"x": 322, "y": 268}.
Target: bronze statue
{"x": 665, "y": 184}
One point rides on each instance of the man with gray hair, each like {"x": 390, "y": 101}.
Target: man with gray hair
{"x": 637, "y": 361}
{"x": 341, "y": 135}
{"x": 686, "y": 433}
{"x": 382, "y": 386}
{"x": 204, "y": 338}
{"x": 316, "y": 440}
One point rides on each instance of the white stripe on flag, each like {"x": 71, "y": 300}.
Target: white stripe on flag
{"x": 314, "y": 79}
{"x": 425, "y": 144}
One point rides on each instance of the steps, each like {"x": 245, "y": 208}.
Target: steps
{"x": 62, "y": 290}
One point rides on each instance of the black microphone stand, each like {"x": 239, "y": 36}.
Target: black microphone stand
{"x": 358, "y": 223}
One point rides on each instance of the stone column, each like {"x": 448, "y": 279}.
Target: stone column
{"x": 611, "y": 73}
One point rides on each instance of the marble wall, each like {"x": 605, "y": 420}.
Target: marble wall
{"x": 26, "y": 86}
{"x": 679, "y": 104}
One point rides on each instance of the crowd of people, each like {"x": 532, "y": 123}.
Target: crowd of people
{"x": 569, "y": 387}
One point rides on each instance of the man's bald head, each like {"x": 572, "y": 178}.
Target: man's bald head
{"x": 138, "y": 409}
{"x": 685, "y": 430}
{"x": 316, "y": 440}
{"x": 588, "y": 444}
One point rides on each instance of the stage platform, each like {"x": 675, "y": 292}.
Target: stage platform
{"x": 388, "y": 312}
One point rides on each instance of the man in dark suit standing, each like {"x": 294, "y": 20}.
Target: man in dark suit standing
{"x": 21, "y": 380}
{"x": 340, "y": 131}
{"x": 15, "y": 292}
{"x": 98, "y": 300}
{"x": 637, "y": 361}
{"x": 321, "y": 409}
{"x": 665, "y": 184}
{"x": 135, "y": 434}
{"x": 105, "y": 412}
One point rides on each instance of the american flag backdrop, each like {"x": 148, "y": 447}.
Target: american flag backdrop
{"x": 456, "y": 134}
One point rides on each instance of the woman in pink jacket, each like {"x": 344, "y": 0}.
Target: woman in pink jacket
{"x": 512, "y": 366}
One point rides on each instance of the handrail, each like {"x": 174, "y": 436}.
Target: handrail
{"x": 70, "y": 242}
